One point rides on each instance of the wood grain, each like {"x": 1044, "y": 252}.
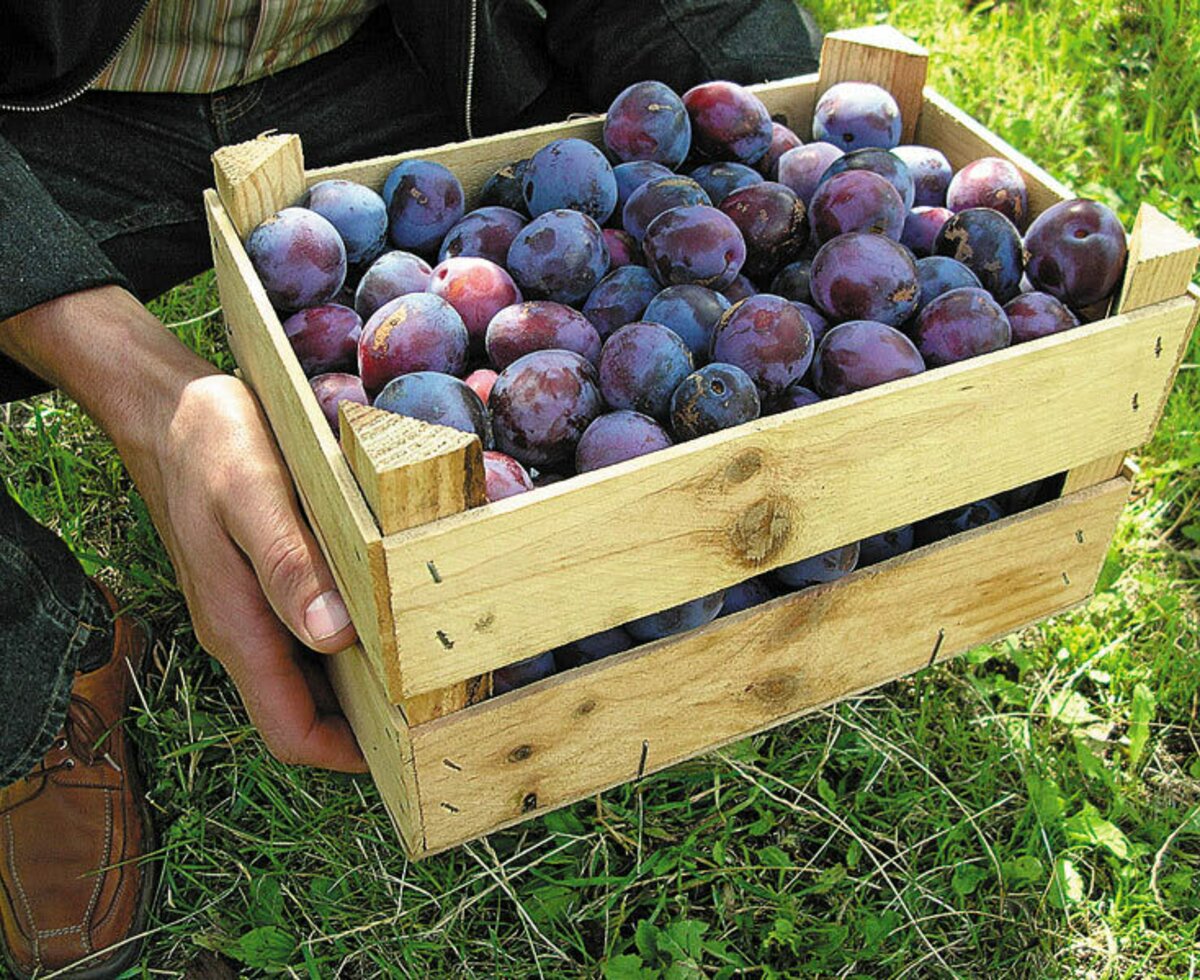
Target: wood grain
{"x": 880, "y": 55}
{"x": 330, "y": 495}
{"x": 1162, "y": 260}
{"x": 578, "y": 733}
{"x": 256, "y": 178}
{"x": 603, "y": 548}
{"x": 412, "y": 473}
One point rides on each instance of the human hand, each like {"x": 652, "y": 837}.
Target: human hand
{"x": 198, "y": 447}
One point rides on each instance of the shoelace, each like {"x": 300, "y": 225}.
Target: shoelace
{"x": 83, "y": 732}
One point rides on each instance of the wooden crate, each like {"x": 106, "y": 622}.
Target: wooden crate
{"x": 443, "y": 591}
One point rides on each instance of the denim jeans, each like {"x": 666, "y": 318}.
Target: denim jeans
{"x": 130, "y": 168}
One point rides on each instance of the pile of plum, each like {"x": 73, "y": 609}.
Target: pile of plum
{"x": 701, "y": 269}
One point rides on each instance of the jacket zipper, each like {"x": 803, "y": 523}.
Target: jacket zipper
{"x": 59, "y": 103}
{"x": 472, "y": 39}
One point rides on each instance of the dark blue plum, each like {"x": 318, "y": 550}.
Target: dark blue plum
{"x": 718, "y": 396}
{"x": 648, "y": 121}
{"x": 772, "y": 221}
{"x": 719, "y": 180}
{"x": 937, "y": 274}
{"x": 559, "y": 255}
{"x": 829, "y": 566}
{"x": 888, "y": 544}
{"x": 504, "y": 188}
{"x": 677, "y": 619}
{"x": 862, "y": 276}
{"x": 931, "y": 173}
{"x": 616, "y": 437}
{"x": 606, "y": 643}
{"x": 641, "y": 366}
{"x": 573, "y": 175}
{"x": 882, "y": 162}
{"x": 792, "y": 281}
{"x": 300, "y": 258}
{"x": 630, "y": 176}
{"x": 768, "y": 338}
{"x": 861, "y": 354}
{"x": 392, "y": 274}
{"x": 957, "y": 520}
{"x": 523, "y": 672}
{"x": 485, "y": 233}
{"x": 619, "y": 298}
{"x": 853, "y": 115}
{"x": 691, "y": 312}
{"x": 428, "y": 201}
{"x": 988, "y": 244}
{"x": 357, "y": 212}
{"x": 746, "y": 595}
{"x": 439, "y": 399}
{"x": 741, "y": 288}
{"x": 695, "y": 244}
{"x": 801, "y": 169}
{"x": 793, "y": 396}
{"x": 656, "y": 196}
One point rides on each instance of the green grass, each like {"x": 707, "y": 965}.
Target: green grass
{"x": 1030, "y": 811}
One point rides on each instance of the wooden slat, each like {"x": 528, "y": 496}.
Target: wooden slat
{"x": 331, "y": 498}
{"x": 603, "y": 548}
{"x": 413, "y": 473}
{"x": 576, "y": 734}
{"x": 880, "y": 55}
{"x": 382, "y": 735}
{"x": 474, "y": 161}
{"x": 1162, "y": 261}
{"x": 257, "y": 178}
{"x": 962, "y": 140}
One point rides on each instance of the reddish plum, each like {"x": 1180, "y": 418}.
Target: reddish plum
{"x": 959, "y": 324}
{"x": 768, "y": 338}
{"x": 697, "y": 244}
{"x": 481, "y": 382}
{"x": 541, "y": 404}
{"x": 540, "y": 325}
{"x": 414, "y": 332}
{"x": 990, "y": 183}
{"x": 504, "y": 476}
{"x": 325, "y": 338}
{"x": 728, "y": 122}
{"x": 1034, "y": 315}
{"x": 771, "y": 219}
{"x": 477, "y": 288}
{"x": 857, "y": 200}
{"x": 656, "y": 196}
{"x": 782, "y": 140}
{"x": 1076, "y": 252}
{"x": 333, "y": 389}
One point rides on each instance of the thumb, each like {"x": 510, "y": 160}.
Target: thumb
{"x": 291, "y": 570}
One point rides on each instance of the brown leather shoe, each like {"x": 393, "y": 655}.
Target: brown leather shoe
{"x": 72, "y": 831}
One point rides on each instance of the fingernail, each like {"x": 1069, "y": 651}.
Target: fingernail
{"x": 326, "y": 615}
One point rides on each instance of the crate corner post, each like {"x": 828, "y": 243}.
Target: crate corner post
{"x": 259, "y": 177}
{"x": 1161, "y": 262}
{"x": 411, "y": 473}
{"x": 883, "y": 56}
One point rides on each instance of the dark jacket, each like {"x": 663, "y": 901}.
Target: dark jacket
{"x": 502, "y": 52}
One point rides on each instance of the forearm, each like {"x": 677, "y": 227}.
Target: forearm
{"x": 108, "y": 352}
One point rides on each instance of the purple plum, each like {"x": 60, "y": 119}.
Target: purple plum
{"x": 991, "y": 183}
{"x": 439, "y": 399}
{"x": 771, "y": 219}
{"x": 921, "y": 228}
{"x": 678, "y": 619}
{"x": 1034, "y": 315}
{"x": 485, "y": 233}
{"x": 641, "y": 366}
{"x": 862, "y": 276}
{"x": 300, "y": 258}
{"x": 358, "y": 214}
{"x": 988, "y": 244}
{"x": 428, "y": 201}
{"x": 768, "y": 338}
{"x": 801, "y": 169}
{"x": 728, "y": 122}
{"x": 333, "y": 389}
{"x": 856, "y": 200}
{"x": 691, "y": 312}
{"x": 559, "y": 255}
{"x": 391, "y": 275}
{"x": 570, "y": 175}
{"x": 931, "y": 173}
{"x": 719, "y": 180}
{"x": 782, "y": 140}
{"x": 696, "y": 244}
{"x": 960, "y": 324}
{"x": 616, "y": 437}
{"x": 619, "y": 298}
{"x": 656, "y": 196}
{"x": 540, "y": 325}
{"x": 648, "y": 121}
{"x": 325, "y": 338}
{"x": 853, "y": 115}
{"x": 414, "y": 332}
{"x": 829, "y": 566}
{"x": 861, "y": 354}
{"x": 1076, "y": 252}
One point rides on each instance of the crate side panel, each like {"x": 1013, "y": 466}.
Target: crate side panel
{"x": 474, "y": 161}
{"x": 531, "y": 572}
{"x": 649, "y": 708}
{"x": 383, "y": 736}
{"x": 330, "y": 496}
{"x": 962, "y": 139}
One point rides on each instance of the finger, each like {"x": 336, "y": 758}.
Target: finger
{"x": 235, "y": 623}
{"x": 289, "y": 564}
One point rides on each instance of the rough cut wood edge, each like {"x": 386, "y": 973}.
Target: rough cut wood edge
{"x": 474, "y": 161}
{"x": 880, "y": 55}
{"x": 412, "y": 473}
{"x": 382, "y": 735}
{"x": 256, "y": 178}
{"x": 962, "y": 140}
{"x": 578, "y": 733}
{"x": 1162, "y": 261}
{"x": 330, "y": 495}
{"x": 635, "y": 538}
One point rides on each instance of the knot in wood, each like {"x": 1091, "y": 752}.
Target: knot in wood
{"x": 585, "y": 708}
{"x": 520, "y": 753}
{"x": 761, "y": 531}
{"x": 744, "y": 465}
{"x": 775, "y": 691}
